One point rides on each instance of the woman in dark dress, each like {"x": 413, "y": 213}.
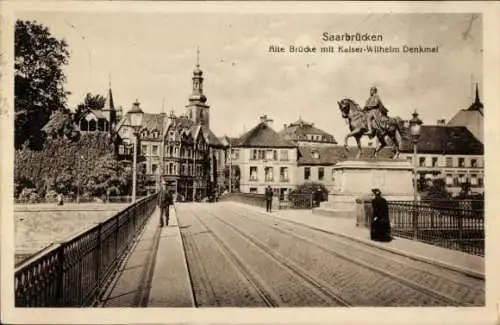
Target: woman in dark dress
{"x": 380, "y": 225}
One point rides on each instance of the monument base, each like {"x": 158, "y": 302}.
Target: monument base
{"x": 355, "y": 179}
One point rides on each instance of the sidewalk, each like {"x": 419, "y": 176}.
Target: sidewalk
{"x": 346, "y": 227}
{"x": 155, "y": 273}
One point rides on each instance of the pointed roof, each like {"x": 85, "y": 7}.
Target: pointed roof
{"x": 476, "y": 105}
{"x": 109, "y": 105}
{"x": 263, "y": 136}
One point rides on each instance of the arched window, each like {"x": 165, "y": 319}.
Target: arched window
{"x": 170, "y": 151}
{"x": 92, "y": 125}
{"x": 84, "y": 125}
{"x": 171, "y": 168}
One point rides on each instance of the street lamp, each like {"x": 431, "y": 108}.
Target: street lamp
{"x": 135, "y": 116}
{"x": 415, "y": 128}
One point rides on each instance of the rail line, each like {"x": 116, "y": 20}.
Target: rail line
{"x": 377, "y": 256}
{"x": 271, "y": 298}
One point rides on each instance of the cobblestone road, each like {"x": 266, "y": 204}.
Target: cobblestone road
{"x": 240, "y": 257}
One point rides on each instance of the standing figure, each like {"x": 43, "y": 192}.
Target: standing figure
{"x": 60, "y": 200}
{"x": 380, "y": 224}
{"x": 165, "y": 200}
{"x": 372, "y": 104}
{"x": 269, "y": 198}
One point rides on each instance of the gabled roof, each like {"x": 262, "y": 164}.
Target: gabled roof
{"x": 265, "y": 137}
{"x": 329, "y": 156}
{"x": 211, "y": 138}
{"x": 96, "y": 112}
{"x": 453, "y": 140}
{"x": 226, "y": 141}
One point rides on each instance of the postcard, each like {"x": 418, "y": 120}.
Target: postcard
{"x": 250, "y": 163}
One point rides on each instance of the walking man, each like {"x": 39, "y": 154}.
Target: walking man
{"x": 269, "y": 198}
{"x": 164, "y": 202}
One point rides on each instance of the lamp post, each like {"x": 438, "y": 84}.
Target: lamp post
{"x": 230, "y": 166}
{"x": 135, "y": 115}
{"x": 415, "y": 128}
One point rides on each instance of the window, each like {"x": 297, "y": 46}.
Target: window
{"x": 455, "y": 181}
{"x": 284, "y": 174}
{"x": 449, "y": 162}
{"x": 473, "y": 180}
{"x": 275, "y": 155}
{"x": 183, "y": 169}
{"x": 176, "y": 151}
{"x": 154, "y": 168}
{"x": 175, "y": 169}
{"x": 253, "y": 190}
{"x": 421, "y": 161}
{"x": 254, "y": 155}
{"x": 171, "y": 135}
{"x": 480, "y": 182}
{"x": 190, "y": 170}
{"x": 434, "y": 161}
{"x": 269, "y": 155}
{"x": 473, "y": 163}
{"x": 253, "y": 173}
{"x": 170, "y": 151}
{"x": 121, "y": 149}
{"x": 333, "y": 174}
{"x": 461, "y": 162}
{"x": 235, "y": 154}
{"x": 170, "y": 168}
{"x": 307, "y": 173}
{"x": 321, "y": 173}
{"x": 461, "y": 178}
{"x": 269, "y": 174}
{"x": 144, "y": 149}
{"x": 154, "y": 150}
{"x": 261, "y": 154}
{"x": 449, "y": 180}
{"x": 284, "y": 155}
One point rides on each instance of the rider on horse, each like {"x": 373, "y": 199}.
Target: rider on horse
{"x": 371, "y": 105}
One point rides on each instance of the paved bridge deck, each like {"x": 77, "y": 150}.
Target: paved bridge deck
{"x": 156, "y": 272}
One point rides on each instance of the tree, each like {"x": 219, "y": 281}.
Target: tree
{"x": 90, "y": 101}
{"x": 38, "y": 79}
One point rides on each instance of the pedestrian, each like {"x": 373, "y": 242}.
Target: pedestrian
{"x": 380, "y": 229}
{"x": 60, "y": 200}
{"x": 269, "y": 198}
{"x": 164, "y": 202}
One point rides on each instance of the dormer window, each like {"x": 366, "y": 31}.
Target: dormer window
{"x": 315, "y": 155}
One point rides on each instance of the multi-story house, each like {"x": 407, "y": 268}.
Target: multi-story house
{"x": 448, "y": 152}
{"x": 265, "y": 159}
{"x": 193, "y": 157}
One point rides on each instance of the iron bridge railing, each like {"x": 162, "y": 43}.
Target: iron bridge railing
{"x": 73, "y": 273}
{"x": 459, "y": 227}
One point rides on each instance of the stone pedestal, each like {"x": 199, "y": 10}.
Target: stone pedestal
{"x": 356, "y": 178}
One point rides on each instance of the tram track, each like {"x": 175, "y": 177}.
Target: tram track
{"x": 310, "y": 289}
{"x": 377, "y": 260}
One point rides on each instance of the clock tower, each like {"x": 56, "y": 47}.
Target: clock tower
{"x": 197, "y": 109}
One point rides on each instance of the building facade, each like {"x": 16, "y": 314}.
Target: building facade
{"x": 265, "y": 159}
{"x": 451, "y": 153}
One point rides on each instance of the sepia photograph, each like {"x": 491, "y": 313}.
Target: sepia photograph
{"x": 205, "y": 158}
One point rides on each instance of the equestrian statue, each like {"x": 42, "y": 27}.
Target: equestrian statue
{"x": 372, "y": 121}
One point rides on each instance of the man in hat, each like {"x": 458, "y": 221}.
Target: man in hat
{"x": 380, "y": 229}
{"x": 165, "y": 200}
{"x": 269, "y": 198}
{"x": 372, "y": 104}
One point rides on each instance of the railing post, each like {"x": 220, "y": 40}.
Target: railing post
{"x": 60, "y": 277}
{"x": 99, "y": 254}
{"x": 415, "y": 220}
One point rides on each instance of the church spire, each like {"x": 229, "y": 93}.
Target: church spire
{"x": 476, "y": 105}
{"x": 197, "y": 94}
{"x": 109, "y": 105}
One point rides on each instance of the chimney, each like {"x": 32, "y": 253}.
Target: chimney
{"x": 441, "y": 122}
{"x": 266, "y": 120}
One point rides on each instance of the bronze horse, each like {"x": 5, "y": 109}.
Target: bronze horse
{"x": 384, "y": 127}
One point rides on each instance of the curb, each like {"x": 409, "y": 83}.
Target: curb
{"x": 429, "y": 260}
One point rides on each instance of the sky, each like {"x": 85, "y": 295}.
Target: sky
{"x": 151, "y": 56}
